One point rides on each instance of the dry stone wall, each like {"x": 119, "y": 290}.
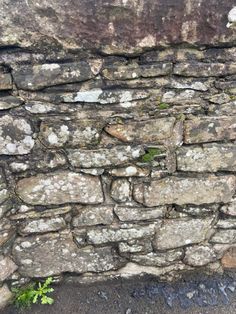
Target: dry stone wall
{"x": 117, "y": 164}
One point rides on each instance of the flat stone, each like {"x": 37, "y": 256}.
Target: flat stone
{"x": 224, "y": 236}
{"x": 6, "y": 237}
{"x": 229, "y": 259}
{"x": 121, "y": 190}
{"x": 93, "y": 215}
{"x": 39, "y": 76}
{"x": 4, "y": 208}
{"x": 139, "y": 213}
{"x": 33, "y": 214}
{"x": 189, "y": 83}
{"x": 150, "y": 131}
{"x": 59, "y": 188}
{"x": 53, "y": 254}
{"x": 199, "y": 255}
{"x": 5, "y": 81}
{"x": 15, "y": 136}
{"x": 207, "y": 158}
{"x": 176, "y": 233}
{"x": 5, "y": 296}
{"x": 42, "y": 225}
{"x": 226, "y": 223}
{"x": 4, "y": 193}
{"x": 57, "y": 133}
{"x": 228, "y": 109}
{"x": 117, "y": 234}
{"x": 103, "y": 157}
{"x": 8, "y": 102}
{"x": 129, "y": 171}
{"x": 180, "y": 191}
{"x": 209, "y": 129}
{"x": 158, "y": 259}
{"x": 229, "y": 209}
{"x": 106, "y": 97}
{"x": 201, "y": 69}
{"x": 183, "y": 97}
{"x": 135, "y": 246}
{"x": 134, "y": 71}
{"x": 7, "y": 267}
{"x": 220, "y": 99}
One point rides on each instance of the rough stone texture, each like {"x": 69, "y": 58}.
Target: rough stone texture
{"x": 52, "y": 254}
{"x": 229, "y": 209}
{"x": 120, "y": 190}
{"x": 199, "y": 255}
{"x": 135, "y": 246}
{"x": 4, "y": 193}
{"x": 204, "y": 69}
{"x": 182, "y": 191}
{"x": 9, "y": 102}
{"x": 151, "y": 131}
{"x": 175, "y": 233}
{"x": 42, "y": 225}
{"x": 15, "y": 136}
{"x": 224, "y": 236}
{"x": 104, "y": 157}
{"x": 7, "y": 268}
{"x": 60, "y": 188}
{"x": 5, "y": 81}
{"x": 130, "y": 171}
{"x": 213, "y": 158}
{"x": 139, "y": 213}
{"x": 229, "y": 259}
{"x": 5, "y": 296}
{"x": 205, "y": 129}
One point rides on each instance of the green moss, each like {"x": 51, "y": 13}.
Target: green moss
{"x": 232, "y": 97}
{"x": 150, "y": 155}
{"x": 163, "y": 106}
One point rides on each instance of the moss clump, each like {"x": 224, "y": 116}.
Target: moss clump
{"x": 163, "y": 106}
{"x": 150, "y": 154}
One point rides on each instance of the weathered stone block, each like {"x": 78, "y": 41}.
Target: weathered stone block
{"x": 42, "y": 225}
{"x": 176, "y": 233}
{"x": 93, "y": 215}
{"x": 229, "y": 259}
{"x": 135, "y": 246}
{"x": 5, "y": 81}
{"x": 4, "y": 193}
{"x": 180, "y": 191}
{"x": 209, "y": 129}
{"x": 226, "y": 223}
{"x": 7, "y": 267}
{"x": 121, "y": 190}
{"x": 129, "y": 171}
{"x": 229, "y": 209}
{"x": 53, "y": 254}
{"x": 8, "y": 102}
{"x": 199, "y": 255}
{"x": 5, "y": 296}
{"x": 224, "y": 236}
{"x": 57, "y": 133}
{"x": 15, "y": 136}
{"x": 150, "y": 131}
{"x": 209, "y": 157}
{"x": 139, "y": 213}
{"x": 59, "y": 188}
{"x": 39, "y": 76}
{"x": 103, "y": 157}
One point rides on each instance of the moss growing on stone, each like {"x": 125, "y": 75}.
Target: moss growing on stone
{"x": 150, "y": 154}
{"x": 163, "y": 106}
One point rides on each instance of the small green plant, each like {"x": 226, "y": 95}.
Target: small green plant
{"x": 163, "y": 106}
{"x": 150, "y": 155}
{"x": 33, "y": 293}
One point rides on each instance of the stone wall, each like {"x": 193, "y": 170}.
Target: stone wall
{"x": 115, "y": 163}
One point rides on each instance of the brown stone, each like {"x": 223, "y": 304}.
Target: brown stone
{"x": 229, "y": 259}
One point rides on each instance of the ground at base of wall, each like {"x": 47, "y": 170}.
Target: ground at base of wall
{"x": 193, "y": 294}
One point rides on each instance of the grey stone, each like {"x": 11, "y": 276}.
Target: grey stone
{"x": 42, "y": 225}
{"x": 209, "y": 129}
{"x": 33, "y": 214}
{"x": 4, "y": 193}
{"x": 133, "y": 71}
{"x": 180, "y": 191}
{"x": 39, "y": 76}
{"x": 59, "y": 188}
{"x": 118, "y": 234}
{"x": 229, "y": 209}
{"x": 5, "y": 296}
{"x": 220, "y": 99}
{"x": 199, "y": 255}
{"x": 135, "y": 246}
{"x": 176, "y": 233}
{"x": 103, "y": 157}
{"x": 15, "y": 136}
{"x": 160, "y": 259}
{"x": 53, "y": 254}
{"x": 224, "y": 236}
{"x": 226, "y": 223}
{"x": 4, "y": 208}
{"x": 93, "y": 215}
{"x": 228, "y": 109}
{"x": 121, "y": 190}
{"x": 187, "y": 96}
{"x": 139, "y": 213}
{"x": 150, "y": 131}
{"x": 8, "y": 102}
{"x": 58, "y": 133}
{"x": 106, "y": 97}
{"x": 129, "y": 171}
{"x": 5, "y": 81}
{"x": 7, "y": 267}
{"x": 209, "y": 157}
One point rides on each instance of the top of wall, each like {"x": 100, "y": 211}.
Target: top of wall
{"x": 114, "y": 26}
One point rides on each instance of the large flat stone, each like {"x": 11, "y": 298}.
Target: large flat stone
{"x": 150, "y": 131}
{"x": 39, "y": 76}
{"x": 15, "y": 136}
{"x": 176, "y": 233}
{"x": 180, "y": 191}
{"x": 159, "y": 259}
{"x": 103, "y": 157}
{"x": 139, "y": 213}
{"x": 209, "y": 157}
{"x": 42, "y": 225}
{"x": 209, "y": 129}
{"x": 59, "y": 188}
{"x": 53, "y": 254}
